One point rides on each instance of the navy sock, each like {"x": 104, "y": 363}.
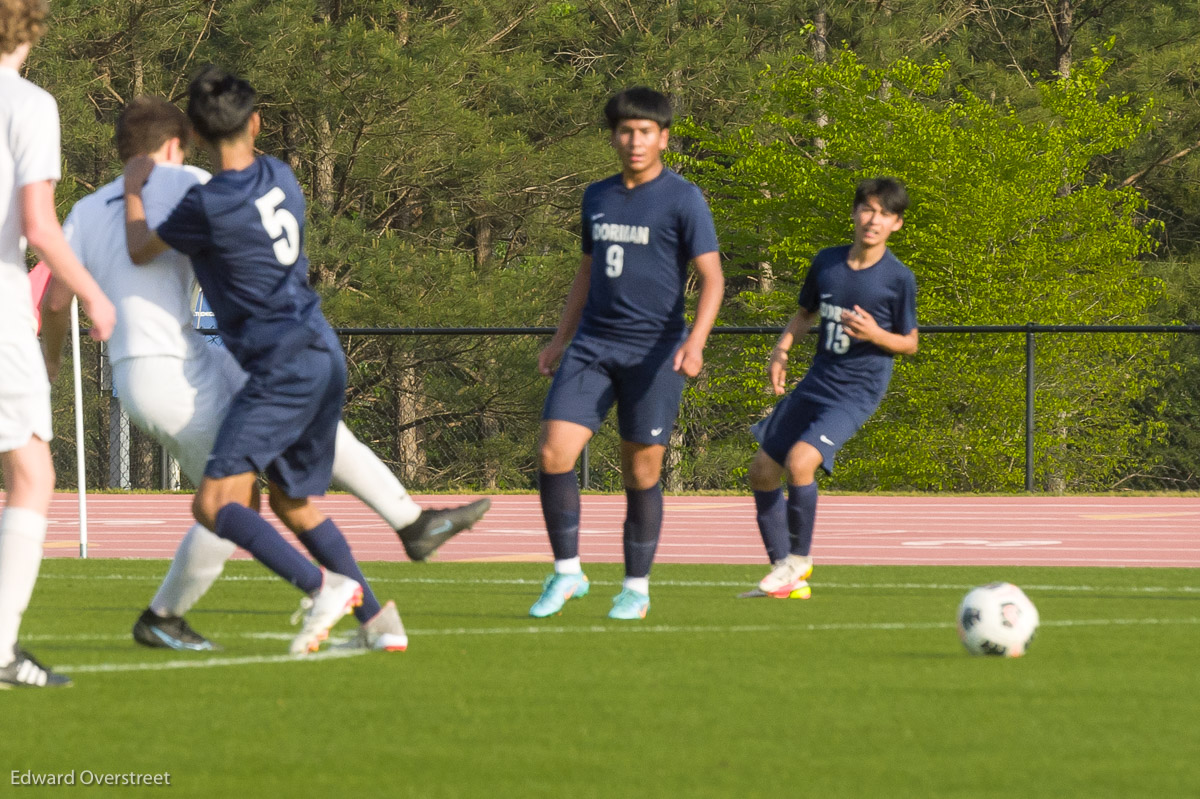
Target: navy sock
{"x": 253, "y": 533}
{"x": 772, "y": 522}
{"x": 643, "y": 524}
{"x": 801, "y": 515}
{"x": 560, "y": 508}
{"x": 326, "y": 543}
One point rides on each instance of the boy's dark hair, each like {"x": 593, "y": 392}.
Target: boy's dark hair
{"x": 219, "y": 104}
{"x": 638, "y": 103}
{"x": 890, "y": 193}
{"x": 148, "y": 122}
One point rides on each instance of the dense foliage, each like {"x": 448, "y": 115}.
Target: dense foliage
{"x": 445, "y": 145}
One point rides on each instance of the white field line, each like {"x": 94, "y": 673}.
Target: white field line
{"x": 200, "y": 661}
{"x": 207, "y": 663}
{"x": 1135, "y": 589}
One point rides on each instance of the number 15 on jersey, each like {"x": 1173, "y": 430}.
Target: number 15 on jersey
{"x": 837, "y": 340}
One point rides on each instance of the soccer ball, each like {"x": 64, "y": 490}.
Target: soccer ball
{"x": 997, "y": 619}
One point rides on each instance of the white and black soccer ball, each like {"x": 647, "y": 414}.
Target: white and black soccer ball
{"x": 997, "y": 619}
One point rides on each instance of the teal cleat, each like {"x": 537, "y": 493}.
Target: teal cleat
{"x": 629, "y": 604}
{"x": 557, "y": 589}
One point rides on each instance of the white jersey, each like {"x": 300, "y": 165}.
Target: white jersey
{"x": 153, "y": 301}
{"x": 29, "y": 153}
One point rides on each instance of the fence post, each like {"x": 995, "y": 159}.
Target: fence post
{"x": 584, "y": 466}
{"x": 1029, "y": 351}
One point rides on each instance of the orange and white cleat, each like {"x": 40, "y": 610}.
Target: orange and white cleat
{"x": 337, "y": 596}
{"x": 788, "y": 576}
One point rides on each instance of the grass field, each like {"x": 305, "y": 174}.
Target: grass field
{"x": 862, "y": 691}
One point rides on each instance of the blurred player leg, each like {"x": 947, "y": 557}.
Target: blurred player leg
{"x": 801, "y": 516}
{"x": 28, "y": 485}
{"x": 180, "y": 403}
{"x": 641, "y": 466}
{"x": 774, "y": 514}
{"x": 558, "y": 491}
{"x": 325, "y": 542}
{"x": 360, "y": 471}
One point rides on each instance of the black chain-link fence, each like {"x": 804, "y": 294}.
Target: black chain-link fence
{"x": 458, "y": 410}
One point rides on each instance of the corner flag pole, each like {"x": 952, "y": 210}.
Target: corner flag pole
{"x": 80, "y": 461}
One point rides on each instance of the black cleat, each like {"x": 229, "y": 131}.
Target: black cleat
{"x": 169, "y": 632}
{"x": 26, "y": 672}
{"x": 436, "y": 526}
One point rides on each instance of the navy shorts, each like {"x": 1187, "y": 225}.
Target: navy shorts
{"x": 595, "y": 373}
{"x": 796, "y": 418}
{"x": 284, "y": 421}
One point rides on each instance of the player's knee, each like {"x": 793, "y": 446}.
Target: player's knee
{"x": 203, "y": 509}
{"x": 642, "y": 476}
{"x": 802, "y": 464}
{"x": 29, "y": 473}
{"x": 641, "y": 465}
{"x": 764, "y": 472}
{"x": 553, "y": 460}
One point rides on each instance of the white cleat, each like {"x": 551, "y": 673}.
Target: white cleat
{"x": 788, "y": 576}
{"x": 337, "y": 596}
{"x": 383, "y": 633}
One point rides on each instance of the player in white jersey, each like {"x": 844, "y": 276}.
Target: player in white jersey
{"x": 29, "y": 169}
{"x": 176, "y": 386}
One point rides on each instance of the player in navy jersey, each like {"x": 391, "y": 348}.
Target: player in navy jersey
{"x": 629, "y": 344}
{"x": 244, "y": 232}
{"x": 866, "y": 301}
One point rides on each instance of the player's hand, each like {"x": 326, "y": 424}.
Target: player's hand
{"x": 549, "y": 357}
{"x": 777, "y": 371}
{"x": 689, "y": 359}
{"x": 860, "y": 325}
{"x": 102, "y": 313}
{"x": 137, "y": 172}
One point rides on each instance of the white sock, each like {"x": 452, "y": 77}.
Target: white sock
{"x": 568, "y": 566}
{"x": 199, "y": 561}
{"x": 22, "y": 534}
{"x": 357, "y": 469}
{"x": 639, "y": 584}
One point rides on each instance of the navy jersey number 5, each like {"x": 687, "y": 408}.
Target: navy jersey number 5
{"x": 280, "y": 225}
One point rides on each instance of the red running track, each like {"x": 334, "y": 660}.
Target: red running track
{"x": 923, "y": 530}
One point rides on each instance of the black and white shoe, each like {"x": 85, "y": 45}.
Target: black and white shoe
{"x": 26, "y": 672}
{"x": 436, "y": 526}
{"x": 169, "y": 632}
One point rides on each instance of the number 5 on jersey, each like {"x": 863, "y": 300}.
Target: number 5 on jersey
{"x": 279, "y": 222}
{"x": 614, "y": 257}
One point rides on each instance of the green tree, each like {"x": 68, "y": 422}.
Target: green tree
{"x": 993, "y": 238}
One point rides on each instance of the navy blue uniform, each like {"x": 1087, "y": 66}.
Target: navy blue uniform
{"x": 244, "y": 231}
{"x": 847, "y": 378}
{"x": 640, "y": 241}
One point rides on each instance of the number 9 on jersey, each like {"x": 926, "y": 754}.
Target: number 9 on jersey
{"x": 614, "y": 257}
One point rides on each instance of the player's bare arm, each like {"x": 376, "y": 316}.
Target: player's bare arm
{"x": 550, "y": 355}
{"x": 143, "y": 243}
{"x": 861, "y": 325}
{"x": 800, "y": 323}
{"x": 689, "y": 358}
{"x": 41, "y": 229}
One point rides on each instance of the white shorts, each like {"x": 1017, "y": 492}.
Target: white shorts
{"x": 180, "y": 402}
{"x": 24, "y": 391}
